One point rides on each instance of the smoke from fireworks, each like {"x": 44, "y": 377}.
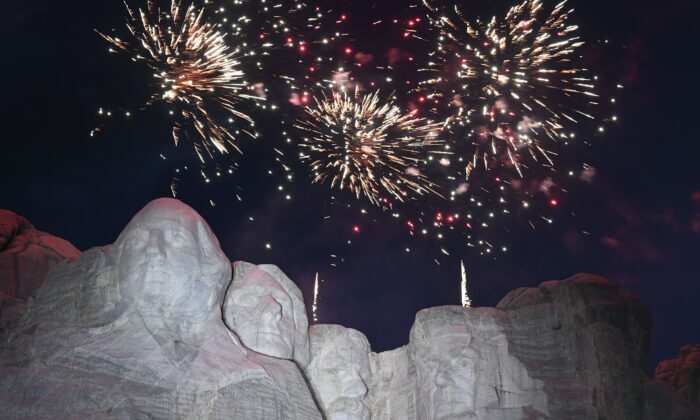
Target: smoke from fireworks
{"x": 514, "y": 83}
{"x": 368, "y": 146}
{"x": 196, "y": 71}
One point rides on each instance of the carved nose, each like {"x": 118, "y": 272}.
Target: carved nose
{"x": 272, "y": 310}
{"x": 153, "y": 247}
{"x": 444, "y": 378}
{"x": 354, "y": 387}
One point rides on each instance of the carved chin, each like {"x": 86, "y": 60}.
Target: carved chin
{"x": 272, "y": 344}
{"x": 452, "y": 410}
{"x": 345, "y": 408}
{"x": 345, "y": 415}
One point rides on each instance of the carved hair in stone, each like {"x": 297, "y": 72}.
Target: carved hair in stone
{"x": 173, "y": 272}
{"x": 464, "y": 368}
{"x": 166, "y": 272}
{"x": 137, "y": 329}
{"x": 339, "y": 371}
{"x": 266, "y": 309}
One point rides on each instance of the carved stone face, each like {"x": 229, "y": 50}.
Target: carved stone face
{"x": 266, "y": 310}
{"x": 339, "y": 371}
{"x": 464, "y": 368}
{"x": 446, "y": 363}
{"x": 171, "y": 266}
{"x": 447, "y": 378}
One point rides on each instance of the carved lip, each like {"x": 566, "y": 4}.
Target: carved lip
{"x": 449, "y": 409}
{"x": 272, "y": 337}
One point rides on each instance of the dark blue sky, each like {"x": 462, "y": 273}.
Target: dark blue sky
{"x": 642, "y": 210}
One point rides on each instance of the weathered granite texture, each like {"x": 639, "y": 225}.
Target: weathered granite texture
{"x": 339, "y": 371}
{"x": 586, "y": 340}
{"x": 683, "y": 374}
{"x": 663, "y": 402}
{"x": 393, "y": 389}
{"x": 266, "y": 309}
{"x": 26, "y": 255}
{"x": 465, "y": 368}
{"x": 159, "y": 325}
{"x": 572, "y": 349}
{"x": 135, "y": 330}
{"x": 457, "y": 365}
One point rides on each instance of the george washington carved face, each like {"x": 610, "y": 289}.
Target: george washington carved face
{"x": 170, "y": 265}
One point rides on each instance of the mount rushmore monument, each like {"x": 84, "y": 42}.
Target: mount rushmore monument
{"x": 162, "y": 325}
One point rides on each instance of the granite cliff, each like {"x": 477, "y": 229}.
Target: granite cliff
{"x": 160, "y": 324}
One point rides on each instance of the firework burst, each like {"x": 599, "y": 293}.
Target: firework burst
{"x": 196, "y": 71}
{"x": 513, "y": 83}
{"x": 368, "y": 146}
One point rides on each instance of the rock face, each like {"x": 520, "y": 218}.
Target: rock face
{"x": 683, "y": 374}
{"x": 135, "y": 330}
{"x": 339, "y": 371}
{"x": 572, "y": 349}
{"x": 586, "y": 341}
{"x": 161, "y": 325}
{"x": 266, "y": 309}
{"x": 393, "y": 389}
{"x": 465, "y": 368}
{"x": 26, "y": 255}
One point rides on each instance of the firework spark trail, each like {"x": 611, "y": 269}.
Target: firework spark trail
{"x": 514, "y": 82}
{"x": 466, "y": 300}
{"x": 368, "y": 146}
{"x": 196, "y": 71}
{"x": 314, "y": 307}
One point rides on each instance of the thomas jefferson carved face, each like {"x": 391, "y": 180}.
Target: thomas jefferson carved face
{"x": 339, "y": 371}
{"x": 266, "y": 310}
{"x": 171, "y": 266}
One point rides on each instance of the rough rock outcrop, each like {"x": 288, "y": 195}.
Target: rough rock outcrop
{"x": 683, "y": 373}
{"x": 26, "y": 255}
{"x": 587, "y": 341}
{"x": 135, "y": 330}
{"x": 159, "y": 325}
{"x": 663, "y": 402}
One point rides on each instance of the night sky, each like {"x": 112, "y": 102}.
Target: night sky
{"x": 637, "y": 222}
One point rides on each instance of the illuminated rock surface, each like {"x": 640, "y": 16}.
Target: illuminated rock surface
{"x": 339, "y": 371}
{"x": 136, "y": 330}
{"x": 266, "y": 310}
{"x": 26, "y": 255}
{"x": 586, "y": 341}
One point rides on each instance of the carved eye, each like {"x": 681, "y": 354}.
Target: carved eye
{"x": 137, "y": 239}
{"x": 332, "y": 371}
{"x": 247, "y": 300}
{"x": 463, "y": 363}
{"x": 178, "y": 240}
